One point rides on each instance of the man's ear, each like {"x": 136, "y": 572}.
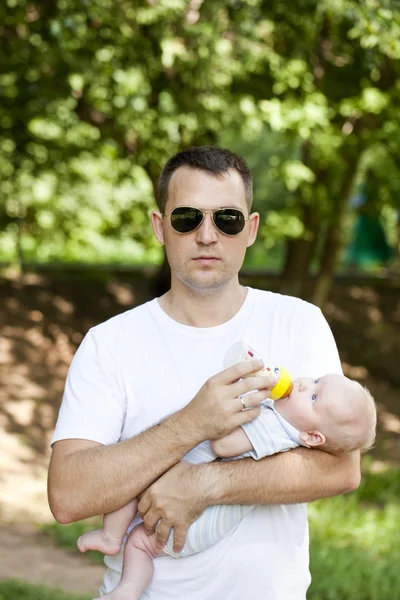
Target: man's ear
{"x": 157, "y": 223}
{"x": 254, "y": 222}
{"x": 312, "y": 438}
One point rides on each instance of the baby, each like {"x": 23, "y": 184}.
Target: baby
{"x": 332, "y": 413}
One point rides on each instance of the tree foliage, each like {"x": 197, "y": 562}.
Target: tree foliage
{"x": 96, "y": 95}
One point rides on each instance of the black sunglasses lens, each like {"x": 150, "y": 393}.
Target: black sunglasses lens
{"x": 229, "y": 220}
{"x": 185, "y": 219}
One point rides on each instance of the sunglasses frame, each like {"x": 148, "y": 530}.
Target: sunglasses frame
{"x": 204, "y": 213}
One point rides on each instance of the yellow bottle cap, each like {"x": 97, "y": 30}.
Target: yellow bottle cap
{"x": 283, "y": 387}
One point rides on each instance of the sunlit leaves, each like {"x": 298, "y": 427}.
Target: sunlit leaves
{"x": 95, "y": 96}
{"x": 295, "y": 173}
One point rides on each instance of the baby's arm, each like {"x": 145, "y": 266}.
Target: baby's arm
{"x": 233, "y": 444}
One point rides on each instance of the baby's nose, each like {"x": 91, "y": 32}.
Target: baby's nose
{"x": 302, "y": 387}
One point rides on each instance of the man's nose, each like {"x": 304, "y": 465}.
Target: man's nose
{"x": 207, "y": 232}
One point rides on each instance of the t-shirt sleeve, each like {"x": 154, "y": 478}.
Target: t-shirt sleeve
{"x": 314, "y": 351}
{"x": 267, "y": 435}
{"x": 93, "y": 405}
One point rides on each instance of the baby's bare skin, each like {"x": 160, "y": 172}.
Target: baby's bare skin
{"x": 140, "y": 550}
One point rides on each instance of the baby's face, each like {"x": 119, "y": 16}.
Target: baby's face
{"x": 314, "y": 402}
{"x": 303, "y": 406}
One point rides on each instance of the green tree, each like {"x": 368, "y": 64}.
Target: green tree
{"x": 87, "y": 92}
{"x": 95, "y": 98}
{"x": 328, "y": 83}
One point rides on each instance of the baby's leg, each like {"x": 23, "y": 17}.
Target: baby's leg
{"x": 137, "y": 569}
{"x": 108, "y": 540}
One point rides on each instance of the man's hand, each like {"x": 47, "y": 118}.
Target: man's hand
{"x": 175, "y": 500}
{"x": 217, "y": 409}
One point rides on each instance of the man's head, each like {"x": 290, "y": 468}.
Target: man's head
{"x": 204, "y": 221}
{"x": 207, "y": 159}
{"x": 332, "y": 412}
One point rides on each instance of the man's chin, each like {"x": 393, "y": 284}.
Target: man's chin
{"x": 206, "y": 285}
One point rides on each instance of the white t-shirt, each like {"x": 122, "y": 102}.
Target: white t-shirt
{"x": 141, "y": 366}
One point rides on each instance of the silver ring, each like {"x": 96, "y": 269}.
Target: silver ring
{"x": 243, "y": 404}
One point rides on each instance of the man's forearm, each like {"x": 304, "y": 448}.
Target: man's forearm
{"x": 99, "y": 479}
{"x": 300, "y": 475}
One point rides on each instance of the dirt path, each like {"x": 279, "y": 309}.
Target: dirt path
{"x": 25, "y": 555}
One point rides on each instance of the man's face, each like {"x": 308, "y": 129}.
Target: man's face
{"x": 205, "y": 260}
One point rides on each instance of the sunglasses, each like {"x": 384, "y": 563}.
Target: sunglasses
{"x": 185, "y": 219}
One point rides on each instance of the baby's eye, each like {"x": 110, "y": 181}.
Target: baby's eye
{"x": 316, "y": 381}
{"x": 314, "y": 397}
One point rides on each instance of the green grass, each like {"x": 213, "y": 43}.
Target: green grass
{"x": 355, "y": 541}
{"x": 378, "y": 488}
{"x": 66, "y": 536}
{"x": 354, "y": 552}
{"x": 16, "y": 590}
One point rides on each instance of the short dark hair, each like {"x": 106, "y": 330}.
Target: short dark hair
{"x": 210, "y": 159}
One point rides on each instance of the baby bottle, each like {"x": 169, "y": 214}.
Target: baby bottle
{"x": 240, "y": 352}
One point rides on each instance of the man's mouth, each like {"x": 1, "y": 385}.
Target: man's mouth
{"x": 206, "y": 259}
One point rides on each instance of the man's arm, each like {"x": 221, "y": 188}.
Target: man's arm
{"x": 180, "y": 496}
{"x": 87, "y": 478}
{"x": 301, "y": 475}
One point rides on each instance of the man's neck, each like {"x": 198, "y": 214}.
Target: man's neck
{"x": 203, "y": 310}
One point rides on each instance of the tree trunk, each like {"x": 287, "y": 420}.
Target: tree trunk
{"x": 18, "y": 247}
{"x": 333, "y": 238}
{"x": 299, "y": 255}
{"x": 329, "y": 259}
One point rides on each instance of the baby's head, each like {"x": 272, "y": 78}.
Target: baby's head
{"x": 332, "y": 412}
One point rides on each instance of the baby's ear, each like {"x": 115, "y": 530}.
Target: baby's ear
{"x": 312, "y": 438}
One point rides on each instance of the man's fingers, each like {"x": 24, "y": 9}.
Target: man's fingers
{"x": 162, "y": 531}
{"x": 253, "y": 400}
{"x": 144, "y": 505}
{"x": 150, "y": 521}
{"x": 253, "y": 383}
{"x": 246, "y": 416}
{"x": 240, "y": 370}
{"x": 179, "y": 538}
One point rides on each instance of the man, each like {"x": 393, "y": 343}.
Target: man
{"x": 148, "y": 385}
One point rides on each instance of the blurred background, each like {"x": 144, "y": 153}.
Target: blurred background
{"x": 95, "y": 96}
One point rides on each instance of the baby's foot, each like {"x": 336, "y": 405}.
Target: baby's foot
{"x": 98, "y": 540}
